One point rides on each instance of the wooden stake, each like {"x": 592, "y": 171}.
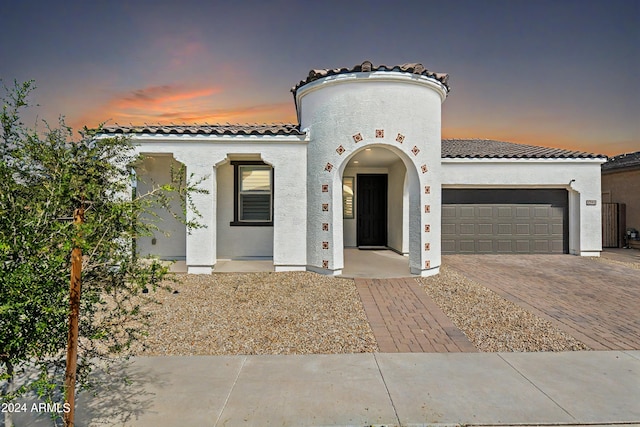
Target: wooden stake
{"x": 72, "y": 341}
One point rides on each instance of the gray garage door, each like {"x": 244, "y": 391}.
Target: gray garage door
{"x": 504, "y": 221}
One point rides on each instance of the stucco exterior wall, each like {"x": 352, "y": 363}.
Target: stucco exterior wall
{"x": 396, "y": 208}
{"x": 346, "y": 112}
{"x": 580, "y": 177}
{"x": 203, "y": 155}
{"x": 624, "y": 187}
{"x": 169, "y": 241}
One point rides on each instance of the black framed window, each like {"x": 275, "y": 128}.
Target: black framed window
{"x": 253, "y": 193}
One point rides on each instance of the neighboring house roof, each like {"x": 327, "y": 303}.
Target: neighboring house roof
{"x": 487, "y": 148}
{"x": 367, "y": 66}
{"x": 216, "y": 129}
{"x": 451, "y": 148}
{"x": 622, "y": 161}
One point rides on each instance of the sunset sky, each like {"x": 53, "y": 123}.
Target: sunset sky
{"x": 556, "y": 73}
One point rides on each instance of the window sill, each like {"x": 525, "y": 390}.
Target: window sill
{"x": 251, "y": 224}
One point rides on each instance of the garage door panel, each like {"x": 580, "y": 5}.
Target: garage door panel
{"x": 498, "y": 226}
{"x": 540, "y": 229}
{"x": 485, "y": 212}
{"x": 467, "y": 212}
{"x": 448, "y": 229}
{"x": 556, "y": 229}
{"x": 504, "y": 212}
{"x": 541, "y": 212}
{"x": 485, "y": 229}
{"x": 467, "y": 246}
{"x": 523, "y": 246}
{"x": 542, "y": 246}
{"x": 484, "y": 246}
{"x": 467, "y": 229}
{"x": 505, "y": 229}
{"x": 557, "y": 212}
{"x": 448, "y": 246}
{"x": 504, "y": 246}
{"x": 448, "y": 211}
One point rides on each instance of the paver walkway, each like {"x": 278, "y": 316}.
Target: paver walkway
{"x": 404, "y": 319}
{"x": 596, "y": 302}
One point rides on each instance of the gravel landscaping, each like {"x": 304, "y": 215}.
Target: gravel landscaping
{"x": 258, "y": 313}
{"x": 491, "y": 322}
{"x": 308, "y": 313}
{"x": 630, "y": 264}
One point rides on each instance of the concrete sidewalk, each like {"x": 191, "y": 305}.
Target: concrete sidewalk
{"x": 401, "y": 389}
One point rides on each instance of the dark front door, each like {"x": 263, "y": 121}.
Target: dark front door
{"x": 372, "y": 210}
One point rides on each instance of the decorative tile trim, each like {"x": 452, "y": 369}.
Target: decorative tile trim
{"x": 329, "y": 167}
{"x": 427, "y": 246}
{"x": 424, "y": 168}
{"x": 325, "y": 263}
{"x": 400, "y": 138}
{"x": 415, "y": 150}
{"x": 379, "y": 133}
{"x": 325, "y": 188}
{"x": 427, "y": 189}
{"x": 357, "y": 137}
{"x": 427, "y": 228}
{"x": 427, "y": 264}
{"x": 325, "y": 207}
{"x": 325, "y": 226}
{"x": 427, "y": 208}
{"x": 325, "y": 245}
{"x": 340, "y": 150}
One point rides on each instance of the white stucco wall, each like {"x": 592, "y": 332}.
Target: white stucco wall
{"x": 396, "y": 209}
{"x": 170, "y": 238}
{"x": 202, "y": 155}
{"x": 581, "y": 177}
{"x": 408, "y": 109}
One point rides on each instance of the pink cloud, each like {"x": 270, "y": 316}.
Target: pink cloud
{"x": 165, "y": 104}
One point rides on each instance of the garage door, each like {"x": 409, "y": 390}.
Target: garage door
{"x": 504, "y": 221}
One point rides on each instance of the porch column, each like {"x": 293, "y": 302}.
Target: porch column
{"x": 289, "y": 209}
{"x": 585, "y": 217}
{"x": 201, "y": 242}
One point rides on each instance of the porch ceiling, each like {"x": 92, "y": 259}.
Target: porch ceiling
{"x": 374, "y": 157}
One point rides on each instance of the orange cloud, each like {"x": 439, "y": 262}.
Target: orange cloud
{"x": 564, "y": 140}
{"x": 166, "y": 104}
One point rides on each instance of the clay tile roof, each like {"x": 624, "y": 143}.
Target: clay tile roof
{"x": 367, "y": 66}
{"x": 486, "y": 148}
{"x": 622, "y": 161}
{"x": 216, "y": 129}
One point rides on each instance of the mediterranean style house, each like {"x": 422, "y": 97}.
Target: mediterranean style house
{"x": 366, "y": 167}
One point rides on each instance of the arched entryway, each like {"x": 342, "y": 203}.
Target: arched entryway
{"x": 376, "y": 213}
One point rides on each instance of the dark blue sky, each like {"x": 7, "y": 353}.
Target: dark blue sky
{"x": 555, "y": 73}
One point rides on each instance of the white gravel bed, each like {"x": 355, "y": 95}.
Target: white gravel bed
{"x": 257, "y": 313}
{"x": 491, "y": 322}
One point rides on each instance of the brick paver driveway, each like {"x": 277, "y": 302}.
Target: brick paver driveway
{"x": 593, "y": 301}
{"x": 404, "y": 319}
